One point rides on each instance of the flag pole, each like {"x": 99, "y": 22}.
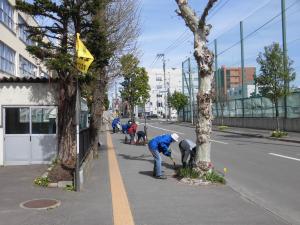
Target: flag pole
{"x": 77, "y": 169}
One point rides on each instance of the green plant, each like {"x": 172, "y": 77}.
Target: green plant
{"x": 279, "y": 134}
{"x": 69, "y": 187}
{"x": 214, "y": 177}
{"x": 54, "y": 161}
{"x": 222, "y": 127}
{"x": 188, "y": 172}
{"x": 42, "y": 181}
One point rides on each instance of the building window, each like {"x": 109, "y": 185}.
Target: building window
{"x": 27, "y": 68}
{"x": 7, "y": 59}
{"x": 23, "y": 34}
{"x": 159, "y": 87}
{"x": 6, "y": 14}
{"x": 44, "y": 74}
{"x": 159, "y": 95}
{"x": 158, "y": 78}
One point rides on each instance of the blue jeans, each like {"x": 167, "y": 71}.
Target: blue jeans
{"x": 157, "y": 162}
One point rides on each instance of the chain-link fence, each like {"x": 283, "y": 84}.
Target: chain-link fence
{"x": 236, "y": 52}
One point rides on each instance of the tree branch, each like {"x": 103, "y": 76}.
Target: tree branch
{"x": 188, "y": 14}
{"x": 208, "y": 7}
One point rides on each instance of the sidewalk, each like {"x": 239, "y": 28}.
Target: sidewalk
{"x": 293, "y": 137}
{"x": 152, "y": 201}
{"x": 91, "y": 206}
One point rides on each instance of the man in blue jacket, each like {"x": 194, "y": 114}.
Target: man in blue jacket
{"x": 115, "y": 123}
{"x": 161, "y": 144}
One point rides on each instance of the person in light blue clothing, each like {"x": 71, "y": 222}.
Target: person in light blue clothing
{"x": 161, "y": 144}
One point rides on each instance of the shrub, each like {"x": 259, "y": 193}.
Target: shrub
{"x": 214, "y": 177}
{"x": 42, "y": 181}
{"x": 222, "y": 127}
{"x": 69, "y": 187}
{"x": 278, "y": 134}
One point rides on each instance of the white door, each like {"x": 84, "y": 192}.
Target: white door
{"x": 17, "y": 146}
{"x": 30, "y": 135}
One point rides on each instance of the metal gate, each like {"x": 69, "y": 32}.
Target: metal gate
{"x": 29, "y": 135}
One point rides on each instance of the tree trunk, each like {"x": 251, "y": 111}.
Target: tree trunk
{"x": 204, "y": 59}
{"x": 67, "y": 124}
{"x": 97, "y": 109}
{"x": 277, "y": 115}
{"x": 132, "y": 111}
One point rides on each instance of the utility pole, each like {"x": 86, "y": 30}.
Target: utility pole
{"x": 216, "y": 77}
{"x": 284, "y": 46}
{"x": 191, "y": 86}
{"x": 243, "y": 66}
{"x": 162, "y": 55}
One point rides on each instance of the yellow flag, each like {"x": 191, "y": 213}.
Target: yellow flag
{"x": 84, "y": 57}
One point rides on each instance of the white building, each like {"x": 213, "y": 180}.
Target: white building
{"x": 28, "y": 100}
{"x": 160, "y": 88}
{"x": 15, "y": 61}
{"x": 237, "y": 92}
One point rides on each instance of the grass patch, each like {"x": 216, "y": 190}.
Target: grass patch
{"x": 42, "y": 181}
{"x": 188, "y": 172}
{"x": 222, "y": 127}
{"x": 69, "y": 187}
{"x": 214, "y": 177}
{"x": 279, "y": 134}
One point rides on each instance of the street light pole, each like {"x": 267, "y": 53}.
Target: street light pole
{"x": 162, "y": 55}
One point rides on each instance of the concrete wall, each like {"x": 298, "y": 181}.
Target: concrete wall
{"x": 25, "y": 94}
{"x": 292, "y": 125}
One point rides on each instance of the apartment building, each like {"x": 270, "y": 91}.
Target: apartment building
{"x": 15, "y": 61}
{"x": 231, "y": 77}
{"x": 160, "y": 86}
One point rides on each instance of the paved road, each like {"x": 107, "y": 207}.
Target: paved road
{"x": 263, "y": 171}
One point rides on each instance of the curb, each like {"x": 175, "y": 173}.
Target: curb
{"x": 59, "y": 184}
{"x": 260, "y": 136}
{"x": 245, "y": 134}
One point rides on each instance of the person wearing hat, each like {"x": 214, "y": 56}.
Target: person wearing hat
{"x": 161, "y": 144}
{"x": 131, "y": 131}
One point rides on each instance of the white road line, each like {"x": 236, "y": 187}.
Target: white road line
{"x": 283, "y": 156}
{"x": 164, "y": 129}
{"x": 220, "y": 142}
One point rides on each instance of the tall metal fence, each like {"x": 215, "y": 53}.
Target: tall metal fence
{"x": 236, "y": 51}
{"x": 258, "y": 107}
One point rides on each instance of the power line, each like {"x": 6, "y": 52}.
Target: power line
{"x": 215, "y": 12}
{"x": 257, "y": 29}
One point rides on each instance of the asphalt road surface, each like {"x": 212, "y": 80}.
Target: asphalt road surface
{"x": 263, "y": 171}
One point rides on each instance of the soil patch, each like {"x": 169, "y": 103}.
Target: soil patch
{"x": 60, "y": 173}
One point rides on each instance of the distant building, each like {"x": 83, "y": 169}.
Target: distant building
{"x": 231, "y": 77}
{"x": 15, "y": 61}
{"x": 237, "y": 92}
{"x": 158, "y": 94}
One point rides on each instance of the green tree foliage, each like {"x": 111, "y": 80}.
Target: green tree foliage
{"x": 272, "y": 77}
{"x": 178, "y": 100}
{"x": 135, "y": 85}
{"x": 55, "y": 46}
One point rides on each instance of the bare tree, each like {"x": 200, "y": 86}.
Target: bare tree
{"x": 204, "y": 58}
{"x": 119, "y": 28}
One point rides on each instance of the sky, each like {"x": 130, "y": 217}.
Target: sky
{"x": 162, "y": 31}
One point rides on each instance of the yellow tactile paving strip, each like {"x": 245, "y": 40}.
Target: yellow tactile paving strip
{"x": 121, "y": 209}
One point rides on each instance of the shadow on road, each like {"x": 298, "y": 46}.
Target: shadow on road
{"x": 146, "y": 158}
